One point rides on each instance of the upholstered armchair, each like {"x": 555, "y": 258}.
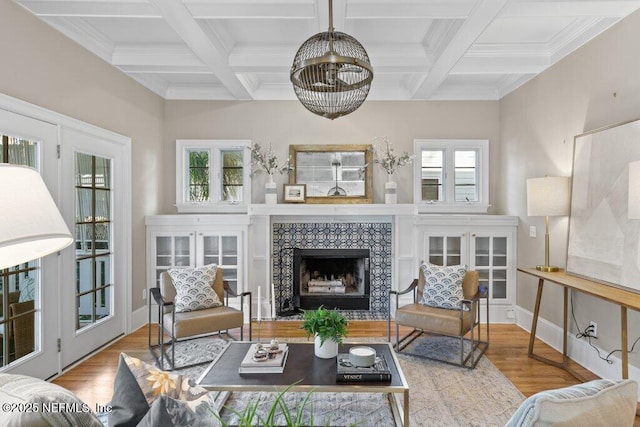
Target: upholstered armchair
{"x": 181, "y": 323}
{"x": 460, "y": 319}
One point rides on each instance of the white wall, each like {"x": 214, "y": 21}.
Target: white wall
{"x": 43, "y": 67}
{"x": 595, "y": 86}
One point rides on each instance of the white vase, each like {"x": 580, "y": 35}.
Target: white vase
{"x": 390, "y": 191}
{"x": 327, "y": 350}
{"x": 270, "y": 193}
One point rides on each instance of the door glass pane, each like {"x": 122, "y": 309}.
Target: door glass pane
{"x": 229, "y": 250}
{"x": 199, "y": 177}
{"x": 482, "y": 251}
{"x": 182, "y": 256}
{"x": 211, "y": 250}
{"x": 466, "y": 189}
{"x": 436, "y": 250}
{"x": 19, "y": 285}
{"x": 94, "y": 261}
{"x": 453, "y": 250}
{"x": 432, "y": 175}
{"x": 499, "y": 284}
{"x": 232, "y": 175}
{"x": 500, "y": 251}
{"x": 163, "y": 251}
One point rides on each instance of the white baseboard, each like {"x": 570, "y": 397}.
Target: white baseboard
{"x": 578, "y": 350}
{"x": 139, "y": 318}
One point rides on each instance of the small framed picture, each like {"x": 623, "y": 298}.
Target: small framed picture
{"x": 295, "y": 193}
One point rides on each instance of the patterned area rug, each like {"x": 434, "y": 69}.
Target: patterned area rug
{"x": 440, "y": 394}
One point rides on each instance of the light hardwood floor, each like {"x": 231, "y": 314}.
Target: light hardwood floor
{"x": 92, "y": 380}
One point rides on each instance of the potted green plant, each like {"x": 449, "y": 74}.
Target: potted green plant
{"x": 328, "y": 327}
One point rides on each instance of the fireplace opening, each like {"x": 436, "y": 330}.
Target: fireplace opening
{"x": 333, "y": 278}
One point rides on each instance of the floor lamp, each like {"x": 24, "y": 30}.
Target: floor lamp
{"x": 31, "y": 225}
{"x": 548, "y": 196}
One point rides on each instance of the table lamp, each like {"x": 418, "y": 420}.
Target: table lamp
{"x": 548, "y": 196}
{"x": 31, "y": 225}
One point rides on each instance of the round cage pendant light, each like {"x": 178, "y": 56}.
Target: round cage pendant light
{"x": 331, "y": 73}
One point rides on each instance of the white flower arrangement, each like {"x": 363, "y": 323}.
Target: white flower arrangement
{"x": 388, "y": 159}
{"x": 267, "y": 161}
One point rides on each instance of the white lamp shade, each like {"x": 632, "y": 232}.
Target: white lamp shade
{"x": 634, "y": 190}
{"x": 548, "y": 196}
{"x": 30, "y": 223}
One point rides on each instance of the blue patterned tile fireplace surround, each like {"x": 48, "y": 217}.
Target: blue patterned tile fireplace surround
{"x": 376, "y": 237}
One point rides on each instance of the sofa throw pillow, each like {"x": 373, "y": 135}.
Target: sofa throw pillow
{"x": 170, "y": 412}
{"x": 194, "y": 289}
{"x": 443, "y": 286}
{"x": 595, "y": 403}
{"x": 27, "y": 392}
{"x": 138, "y": 385}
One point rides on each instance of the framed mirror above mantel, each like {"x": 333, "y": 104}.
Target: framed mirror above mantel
{"x": 334, "y": 173}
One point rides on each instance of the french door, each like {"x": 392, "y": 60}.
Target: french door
{"x": 29, "y": 292}
{"x": 94, "y": 280}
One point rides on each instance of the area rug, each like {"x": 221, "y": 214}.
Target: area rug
{"x": 440, "y": 394}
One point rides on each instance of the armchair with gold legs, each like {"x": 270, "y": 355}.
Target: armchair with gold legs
{"x": 462, "y": 323}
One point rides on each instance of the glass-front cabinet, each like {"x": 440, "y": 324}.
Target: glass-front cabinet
{"x": 490, "y": 260}
{"x": 484, "y": 243}
{"x": 446, "y": 248}
{"x": 221, "y": 249}
{"x": 196, "y": 240}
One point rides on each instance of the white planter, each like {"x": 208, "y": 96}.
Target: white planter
{"x": 390, "y": 192}
{"x": 270, "y": 192}
{"x": 327, "y": 350}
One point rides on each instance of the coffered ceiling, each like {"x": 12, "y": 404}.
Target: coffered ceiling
{"x": 243, "y": 49}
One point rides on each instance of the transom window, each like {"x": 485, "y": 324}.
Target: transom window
{"x": 212, "y": 175}
{"x": 451, "y": 175}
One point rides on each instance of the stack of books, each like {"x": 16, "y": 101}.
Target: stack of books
{"x": 347, "y": 372}
{"x": 326, "y": 286}
{"x": 273, "y": 363}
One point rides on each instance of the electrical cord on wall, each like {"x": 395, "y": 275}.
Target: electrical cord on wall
{"x": 587, "y": 333}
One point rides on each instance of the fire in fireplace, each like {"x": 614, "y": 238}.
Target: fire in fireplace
{"x": 333, "y": 278}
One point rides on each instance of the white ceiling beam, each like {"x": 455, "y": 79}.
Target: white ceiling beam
{"x": 95, "y": 9}
{"x": 156, "y": 55}
{"x": 495, "y": 64}
{"x": 438, "y": 9}
{"x": 210, "y": 51}
{"x": 479, "y": 19}
{"x": 572, "y": 9}
{"x": 252, "y": 9}
{"x": 198, "y": 91}
{"x": 388, "y": 57}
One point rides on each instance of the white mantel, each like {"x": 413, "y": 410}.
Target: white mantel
{"x": 292, "y": 209}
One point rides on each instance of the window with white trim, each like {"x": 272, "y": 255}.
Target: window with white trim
{"x": 451, "y": 175}
{"x": 212, "y": 175}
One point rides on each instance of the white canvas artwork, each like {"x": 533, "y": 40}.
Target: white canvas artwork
{"x": 603, "y": 241}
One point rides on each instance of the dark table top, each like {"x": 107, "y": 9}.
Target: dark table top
{"x": 302, "y": 368}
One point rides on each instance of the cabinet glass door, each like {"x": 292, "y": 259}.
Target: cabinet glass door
{"x": 444, "y": 250}
{"x": 172, "y": 250}
{"x": 490, "y": 257}
{"x": 222, "y": 250}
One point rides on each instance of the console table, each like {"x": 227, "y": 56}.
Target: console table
{"x": 625, "y": 299}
